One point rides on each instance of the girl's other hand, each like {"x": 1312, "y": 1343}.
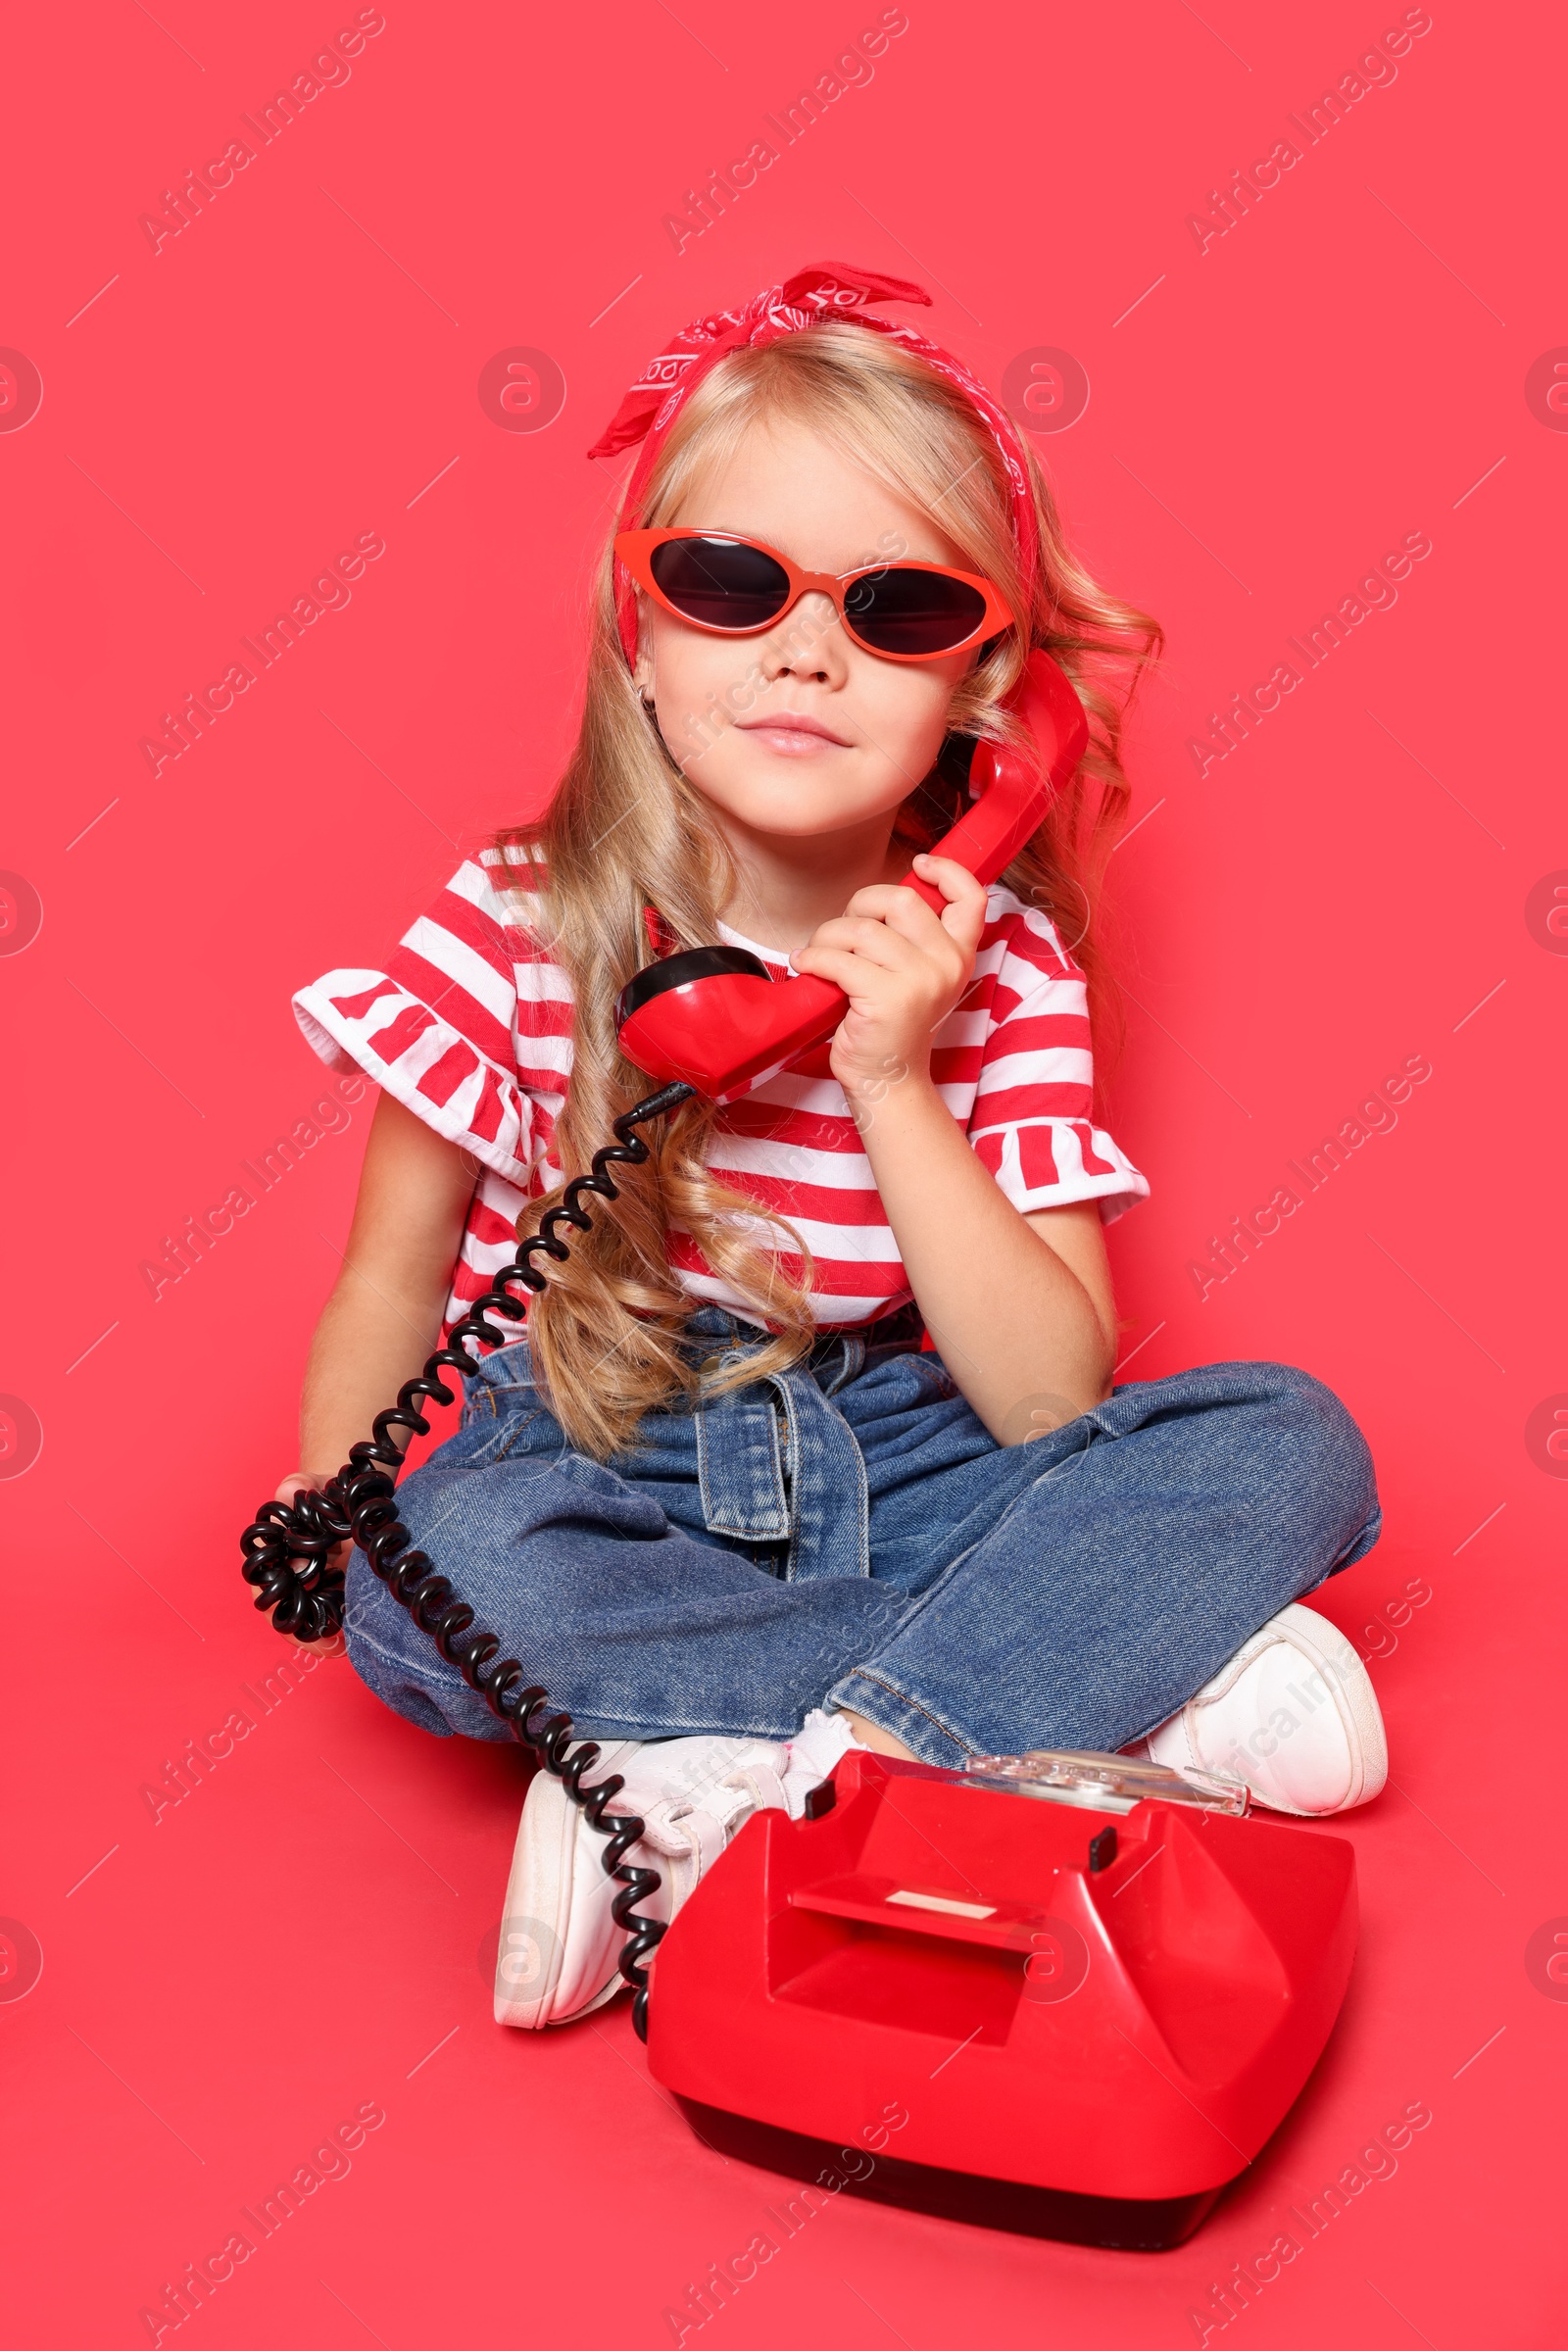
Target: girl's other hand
{"x": 312, "y": 1481}
{"x": 902, "y": 968}
{"x": 302, "y": 1481}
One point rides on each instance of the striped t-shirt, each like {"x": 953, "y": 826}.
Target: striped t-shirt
{"x": 469, "y": 1027}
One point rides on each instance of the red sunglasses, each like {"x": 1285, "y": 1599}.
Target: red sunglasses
{"x": 733, "y": 587}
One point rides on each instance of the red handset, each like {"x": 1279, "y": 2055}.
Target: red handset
{"x": 713, "y": 1016}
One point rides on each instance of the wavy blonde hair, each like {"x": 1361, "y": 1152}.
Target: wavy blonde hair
{"x": 626, "y": 832}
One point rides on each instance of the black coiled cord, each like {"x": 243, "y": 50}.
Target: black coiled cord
{"x": 357, "y": 1506}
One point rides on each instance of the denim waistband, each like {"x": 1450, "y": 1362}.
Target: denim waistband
{"x": 713, "y": 1332}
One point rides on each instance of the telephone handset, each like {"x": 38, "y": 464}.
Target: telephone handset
{"x": 712, "y": 1018}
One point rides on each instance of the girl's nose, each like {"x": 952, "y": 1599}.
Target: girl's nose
{"x": 809, "y": 644}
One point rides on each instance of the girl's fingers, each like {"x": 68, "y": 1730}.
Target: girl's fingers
{"x": 892, "y": 903}
{"x": 964, "y": 918}
{"x": 898, "y": 911}
{"x": 877, "y": 942}
{"x": 960, "y": 923}
{"x": 856, "y": 974}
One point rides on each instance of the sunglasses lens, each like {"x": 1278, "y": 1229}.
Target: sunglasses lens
{"x": 913, "y": 611}
{"x": 721, "y": 582}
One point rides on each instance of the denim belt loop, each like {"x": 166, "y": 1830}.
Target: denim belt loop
{"x": 740, "y": 1466}
{"x": 835, "y": 1362}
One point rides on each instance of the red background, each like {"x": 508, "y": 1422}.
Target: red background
{"x": 1345, "y": 889}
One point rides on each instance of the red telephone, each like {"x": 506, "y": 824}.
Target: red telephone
{"x": 713, "y": 1016}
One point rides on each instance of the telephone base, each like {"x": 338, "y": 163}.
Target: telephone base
{"x": 1117, "y": 2224}
{"x": 948, "y": 1994}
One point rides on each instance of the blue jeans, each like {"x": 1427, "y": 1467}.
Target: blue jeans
{"x": 848, "y": 1535}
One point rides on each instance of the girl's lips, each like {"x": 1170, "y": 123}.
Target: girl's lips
{"x": 794, "y": 734}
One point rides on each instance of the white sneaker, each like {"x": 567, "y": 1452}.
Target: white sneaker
{"x": 560, "y": 1947}
{"x": 1293, "y": 1714}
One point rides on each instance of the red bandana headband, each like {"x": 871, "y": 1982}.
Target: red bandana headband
{"x": 814, "y": 296}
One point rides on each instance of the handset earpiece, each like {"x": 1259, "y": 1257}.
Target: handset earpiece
{"x": 956, "y": 763}
{"x": 1014, "y": 789}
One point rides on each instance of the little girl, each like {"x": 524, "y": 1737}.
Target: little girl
{"x": 812, "y": 1440}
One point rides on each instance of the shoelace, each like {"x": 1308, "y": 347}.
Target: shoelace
{"x": 678, "y": 1826}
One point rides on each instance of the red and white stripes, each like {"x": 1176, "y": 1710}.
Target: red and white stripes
{"x": 469, "y": 1027}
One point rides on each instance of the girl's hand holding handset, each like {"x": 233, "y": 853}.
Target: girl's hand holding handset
{"x": 902, "y": 968}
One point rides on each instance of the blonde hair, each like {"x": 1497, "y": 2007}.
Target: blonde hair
{"x": 626, "y": 832}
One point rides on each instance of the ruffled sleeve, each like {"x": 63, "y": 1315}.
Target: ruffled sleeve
{"x": 439, "y": 1028}
{"x": 1032, "y": 1123}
